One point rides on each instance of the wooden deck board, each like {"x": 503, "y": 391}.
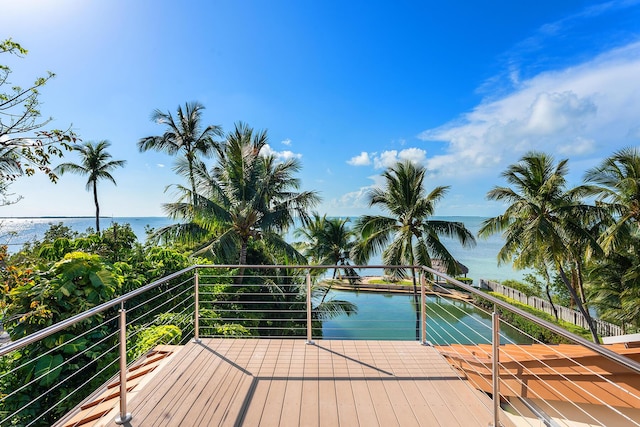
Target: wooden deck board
{"x": 232, "y": 382}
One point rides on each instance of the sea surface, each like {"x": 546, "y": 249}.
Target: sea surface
{"x": 481, "y": 259}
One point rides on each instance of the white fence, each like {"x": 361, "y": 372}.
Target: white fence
{"x": 605, "y": 329}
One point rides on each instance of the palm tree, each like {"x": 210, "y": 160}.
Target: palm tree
{"x": 544, "y": 223}
{"x": 95, "y": 163}
{"x": 407, "y": 236}
{"x": 616, "y": 184}
{"x": 615, "y": 286}
{"x": 328, "y": 241}
{"x": 247, "y": 196}
{"x": 185, "y": 135}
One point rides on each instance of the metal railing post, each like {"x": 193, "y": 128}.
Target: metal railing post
{"x": 423, "y": 309}
{"x": 124, "y": 416}
{"x": 309, "y": 323}
{"x": 196, "y": 309}
{"x": 495, "y": 365}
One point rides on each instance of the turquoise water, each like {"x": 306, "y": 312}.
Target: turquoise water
{"x": 481, "y": 260}
{"x": 393, "y": 317}
{"x": 17, "y": 231}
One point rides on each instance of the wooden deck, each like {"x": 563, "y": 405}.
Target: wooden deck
{"x": 272, "y": 382}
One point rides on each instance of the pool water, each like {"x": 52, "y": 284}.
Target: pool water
{"x": 383, "y": 316}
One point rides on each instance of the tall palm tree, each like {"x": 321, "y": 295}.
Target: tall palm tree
{"x": 247, "y": 196}
{"x": 408, "y": 236}
{"x": 544, "y": 222}
{"x": 95, "y": 164}
{"x": 184, "y": 135}
{"x": 616, "y": 185}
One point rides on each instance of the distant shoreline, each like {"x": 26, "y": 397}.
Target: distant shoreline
{"x": 74, "y": 217}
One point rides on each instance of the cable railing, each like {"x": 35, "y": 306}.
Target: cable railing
{"x": 561, "y": 384}
{"x": 46, "y": 374}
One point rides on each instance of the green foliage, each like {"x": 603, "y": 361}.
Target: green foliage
{"x": 328, "y": 241}
{"x": 231, "y": 330}
{"x": 408, "y": 235}
{"x": 614, "y": 285}
{"x": 116, "y": 242}
{"x": 48, "y": 369}
{"x": 152, "y": 336}
{"x": 531, "y": 329}
{"x": 76, "y": 283}
{"x": 35, "y": 300}
{"x": 59, "y": 231}
{"x": 529, "y": 289}
{"x": 247, "y": 196}
{"x": 212, "y": 325}
{"x": 545, "y": 224}
{"x": 24, "y": 146}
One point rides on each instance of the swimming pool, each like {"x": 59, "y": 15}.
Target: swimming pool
{"x": 386, "y": 316}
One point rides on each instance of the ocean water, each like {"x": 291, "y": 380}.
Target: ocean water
{"x": 481, "y": 259}
{"x": 14, "y": 232}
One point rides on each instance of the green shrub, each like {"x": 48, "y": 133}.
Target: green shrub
{"x": 537, "y": 332}
{"x": 530, "y": 290}
{"x": 150, "y": 337}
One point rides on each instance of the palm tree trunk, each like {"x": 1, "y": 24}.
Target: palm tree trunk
{"x": 192, "y": 180}
{"x": 580, "y": 282}
{"x": 553, "y": 306}
{"x": 575, "y": 297}
{"x": 547, "y": 289}
{"x": 243, "y": 261}
{"x": 95, "y": 200}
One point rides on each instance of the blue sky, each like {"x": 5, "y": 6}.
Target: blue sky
{"x": 463, "y": 87}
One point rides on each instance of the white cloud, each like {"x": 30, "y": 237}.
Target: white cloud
{"x": 391, "y": 157}
{"x": 552, "y": 113}
{"x": 579, "y": 147}
{"x": 279, "y": 155}
{"x": 353, "y": 199}
{"x": 286, "y": 155}
{"x": 414, "y": 155}
{"x": 386, "y": 159}
{"x": 286, "y": 142}
{"x": 160, "y": 165}
{"x": 357, "y": 199}
{"x": 579, "y": 111}
{"x": 360, "y": 160}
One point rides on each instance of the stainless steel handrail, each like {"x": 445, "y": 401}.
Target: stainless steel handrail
{"x": 37, "y": 336}
{"x": 603, "y": 351}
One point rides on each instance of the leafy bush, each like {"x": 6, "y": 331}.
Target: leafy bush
{"x": 537, "y": 332}
{"x": 530, "y": 290}
{"x": 211, "y": 325}
{"x": 150, "y": 337}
